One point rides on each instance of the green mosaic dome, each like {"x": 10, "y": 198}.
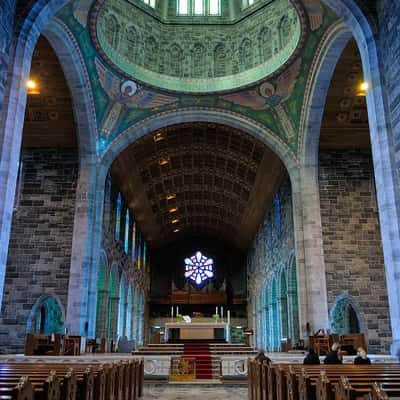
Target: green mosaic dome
{"x": 197, "y": 54}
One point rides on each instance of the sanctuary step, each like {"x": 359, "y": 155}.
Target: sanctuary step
{"x": 201, "y": 353}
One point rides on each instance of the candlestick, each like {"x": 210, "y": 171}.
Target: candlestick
{"x": 172, "y": 312}
{"x": 222, "y": 312}
{"x": 229, "y": 317}
{"x": 177, "y": 310}
{"x": 216, "y": 310}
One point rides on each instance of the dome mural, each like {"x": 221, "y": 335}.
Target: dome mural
{"x": 197, "y": 57}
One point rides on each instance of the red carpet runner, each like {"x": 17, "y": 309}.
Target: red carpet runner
{"x": 200, "y": 351}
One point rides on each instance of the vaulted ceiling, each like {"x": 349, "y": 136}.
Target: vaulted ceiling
{"x": 198, "y": 179}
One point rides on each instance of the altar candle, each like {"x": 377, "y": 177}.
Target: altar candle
{"x": 222, "y": 312}
{"x": 229, "y": 317}
{"x": 172, "y": 311}
{"x": 216, "y": 310}
{"x": 177, "y": 310}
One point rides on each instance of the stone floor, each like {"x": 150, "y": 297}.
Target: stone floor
{"x": 194, "y": 392}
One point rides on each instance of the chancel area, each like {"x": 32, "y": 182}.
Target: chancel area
{"x": 199, "y": 194}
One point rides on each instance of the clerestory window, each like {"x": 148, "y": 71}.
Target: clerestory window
{"x": 198, "y": 8}
{"x": 247, "y": 3}
{"x": 151, "y": 3}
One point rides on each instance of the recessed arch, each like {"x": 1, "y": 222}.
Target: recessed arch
{"x": 346, "y": 316}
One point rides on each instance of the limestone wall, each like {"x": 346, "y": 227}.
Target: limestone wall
{"x": 352, "y": 243}
{"x": 39, "y": 254}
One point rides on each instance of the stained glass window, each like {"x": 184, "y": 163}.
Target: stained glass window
{"x": 133, "y": 254}
{"x": 118, "y": 217}
{"x": 199, "y": 268}
{"x": 144, "y": 254}
{"x": 269, "y": 236}
{"x": 198, "y": 7}
{"x": 278, "y": 215}
{"x": 126, "y": 239}
{"x": 139, "y": 251}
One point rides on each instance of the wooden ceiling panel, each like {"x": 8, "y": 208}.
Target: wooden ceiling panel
{"x": 345, "y": 120}
{"x": 222, "y": 179}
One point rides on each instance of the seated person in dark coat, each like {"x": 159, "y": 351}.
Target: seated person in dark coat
{"x": 311, "y": 357}
{"x": 334, "y": 357}
{"x": 262, "y": 357}
{"x": 362, "y": 358}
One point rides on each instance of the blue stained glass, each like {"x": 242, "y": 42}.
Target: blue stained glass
{"x": 118, "y": 217}
{"x": 133, "y": 241}
{"x": 269, "y": 236}
{"x": 199, "y": 268}
{"x": 126, "y": 240}
{"x": 278, "y": 215}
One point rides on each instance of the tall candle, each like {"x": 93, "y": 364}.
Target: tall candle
{"x": 222, "y": 312}
{"x": 172, "y": 311}
{"x": 177, "y": 310}
{"x": 216, "y": 310}
{"x": 229, "y": 317}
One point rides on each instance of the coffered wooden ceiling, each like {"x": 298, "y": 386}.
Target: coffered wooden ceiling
{"x": 198, "y": 179}
{"x": 345, "y": 120}
{"x": 49, "y": 119}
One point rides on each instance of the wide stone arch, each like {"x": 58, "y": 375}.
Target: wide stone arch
{"x": 40, "y": 20}
{"x": 355, "y": 24}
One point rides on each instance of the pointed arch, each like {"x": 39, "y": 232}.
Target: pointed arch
{"x": 198, "y": 61}
{"x": 276, "y": 335}
{"x": 129, "y": 310}
{"x": 112, "y": 311}
{"x": 245, "y": 55}
{"x": 265, "y": 44}
{"x": 122, "y": 299}
{"x": 102, "y": 297}
{"x": 220, "y": 60}
{"x": 346, "y": 316}
{"x": 175, "y": 63}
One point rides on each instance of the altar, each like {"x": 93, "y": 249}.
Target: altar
{"x": 175, "y": 331}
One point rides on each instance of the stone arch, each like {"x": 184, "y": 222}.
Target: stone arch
{"x": 47, "y": 316}
{"x": 112, "y": 311}
{"x": 102, "y": 295}
{"x": 346, "y": 316}
{"x": 129, "y": 311}
{"x": 268, "y": 343}
{"x": 356, "y": 24}
{"x": 122, "y": 306}
{"x": 283, "y": 303}
{"x": 284, "y": 31}
{"x": 151, "y": 54}
{"x": 292, "y": 298}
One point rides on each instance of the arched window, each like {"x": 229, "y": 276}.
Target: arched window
{"x": 278, "y": 215}
{"x": 129, "y": 307}
{"x": 267, "y": 320}
{"x": 144, "y": 254}
{"x": 112, "y": 306}
{"x": 265, "y": 44}
{"x": 293, "y": 305}
{"x": 198, "y": 61}
{"x": 126, "y": 239}
{"x": 269, "y": 236}
{"x": 283, "y": 306}
{"x": 220, "y": 60}
{"x": 46, "y": 316}
{"x": 175, "y": 60}
{"x": 112, "y": 29}
{"x": 345, "y": 316}
{"x": 121, "y": 307}
{"x": 118, "y": 217}
{"x": 133, "y": 255}
{"x": 151, "y": 54}
{"x": 139, "y": 251}
{"x": 275, "y": 316}
{"x": 135, "y": 323}
{"x": 284, "y": 31}
{"x": 131, "y": 43}
{"x": 151, "y": 3}
{"x": 245, "y": 55}
{"x": 102, "y": 297}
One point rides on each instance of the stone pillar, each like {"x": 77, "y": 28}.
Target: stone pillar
{"x": 387, "y": 179}
{"x": 113, "y": 318}
{"x": 311, "y": 279}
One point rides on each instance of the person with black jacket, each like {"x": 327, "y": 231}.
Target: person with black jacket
{"x": 362, "y": 358}
{"x": 311, "y": 358}
{"x": 334, "y": 357}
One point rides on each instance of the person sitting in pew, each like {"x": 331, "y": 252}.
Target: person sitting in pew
{"x": 362, "y": 358}
{"x": 311, "y": 358}
{"x": 334, "y": 356}
{"x": 262, "y": 357}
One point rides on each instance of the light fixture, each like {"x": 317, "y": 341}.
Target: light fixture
{"x": 158, "y": 137}
{"x": 163, "y": 161}
{"x": 174, "y": 209}
{"x": 362, "y": 89}
{"x": 175, "y": 221}
{"x": 171, "y": 196}
{"x": 32, "y": 87}
{"x": 176, "y": 230}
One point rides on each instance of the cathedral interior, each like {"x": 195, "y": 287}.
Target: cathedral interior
{"x": 226, "y": 161}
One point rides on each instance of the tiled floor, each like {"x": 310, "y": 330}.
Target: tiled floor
{"x": 194, "y": 392}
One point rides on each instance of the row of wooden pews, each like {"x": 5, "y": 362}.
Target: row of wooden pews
{"x": 269, "y": 381}
{"x": 80, "y": 381}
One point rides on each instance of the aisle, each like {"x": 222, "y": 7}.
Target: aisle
{"x": 201, "y": 352}
{"x": 194, "y": 392}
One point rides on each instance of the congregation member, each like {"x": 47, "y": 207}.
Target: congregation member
{"x": 362, "y": 358}
{"x": 311, "y": 358}
{"x": 334, "y": 356}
